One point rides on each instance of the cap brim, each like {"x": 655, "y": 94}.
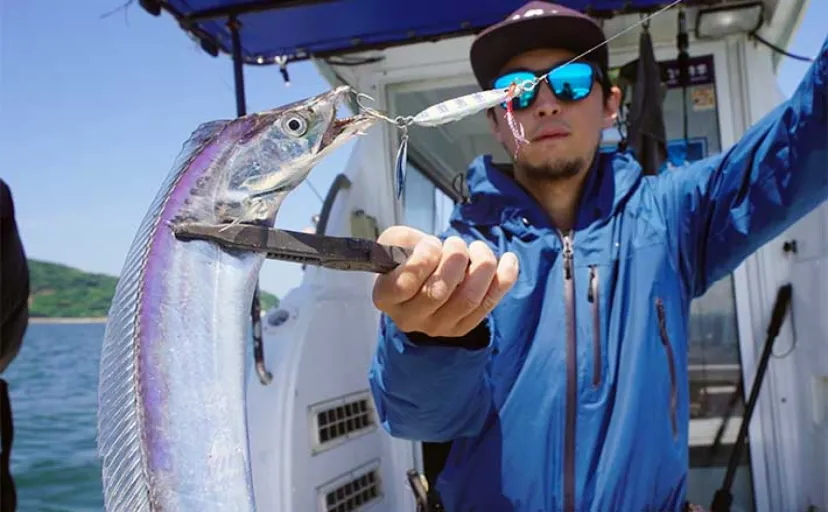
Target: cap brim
{"x": 493, "y": 49}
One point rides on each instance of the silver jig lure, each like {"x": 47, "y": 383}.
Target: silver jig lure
{"x": 459, "y": 108}
{"x": 442, "y": 113}
{"x": 402, "y": 153}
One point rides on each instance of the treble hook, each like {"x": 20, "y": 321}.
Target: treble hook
{"x": 370, "y": 110}
{"x": 401, "y": 122}
{"x": 360, "y": 94}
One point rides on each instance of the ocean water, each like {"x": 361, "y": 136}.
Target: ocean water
{"x": 53, "y": 392}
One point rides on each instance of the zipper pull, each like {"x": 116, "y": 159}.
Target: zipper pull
{"x": 567, "y": 254}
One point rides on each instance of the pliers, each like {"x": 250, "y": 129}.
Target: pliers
{"x": 342, "y": 253}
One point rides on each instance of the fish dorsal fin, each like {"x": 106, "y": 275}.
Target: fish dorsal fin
{"x": 121, "y": 433}
{"x": 205, "y": 133}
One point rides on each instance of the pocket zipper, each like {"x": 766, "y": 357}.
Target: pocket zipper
{"x": 665, "y": 340}
{"x": 592, "y": 296}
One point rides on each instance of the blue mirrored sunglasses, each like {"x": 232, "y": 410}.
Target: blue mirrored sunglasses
{"x": 569, "y": 82}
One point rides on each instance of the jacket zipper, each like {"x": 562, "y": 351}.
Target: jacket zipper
{"x": 665, "y": 340}
{"x": 592, "y": 296}
{"x": 571, "y": 375}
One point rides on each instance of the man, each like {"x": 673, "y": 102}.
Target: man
{"x": 545, "y": 333}
{"x": 14, "y": 318}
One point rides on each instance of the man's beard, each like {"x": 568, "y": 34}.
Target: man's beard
{"x": 557, "y": 170}
{"x": 551, "y": 170}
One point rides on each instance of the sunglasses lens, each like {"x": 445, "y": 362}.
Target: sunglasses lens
{"x": 572, "y": 81}
{"x": 519, "y": 77}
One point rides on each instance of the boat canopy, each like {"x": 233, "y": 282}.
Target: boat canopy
{"x": 282, "y": 31}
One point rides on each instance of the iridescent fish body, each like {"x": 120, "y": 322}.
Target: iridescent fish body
{"x": 172, "y": 430}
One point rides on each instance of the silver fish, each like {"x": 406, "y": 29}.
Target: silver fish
{"x": 172, "y": 429}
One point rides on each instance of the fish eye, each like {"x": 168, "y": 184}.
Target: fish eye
{"x": 295, "y": 125}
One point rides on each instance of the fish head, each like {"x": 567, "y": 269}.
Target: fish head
{"x": 276, "y": 150}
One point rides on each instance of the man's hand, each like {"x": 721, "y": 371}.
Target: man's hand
{"x": 443, "y": 289}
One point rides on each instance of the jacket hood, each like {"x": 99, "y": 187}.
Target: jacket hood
{"x": 495, "y": 197}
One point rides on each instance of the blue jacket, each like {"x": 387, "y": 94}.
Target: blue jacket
{"x": 577, "y": 396}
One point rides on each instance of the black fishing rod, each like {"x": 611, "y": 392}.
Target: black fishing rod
{"x": 683, "y": 70}
{"x": 723, "y": 497}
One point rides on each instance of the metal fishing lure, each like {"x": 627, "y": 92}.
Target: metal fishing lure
{"x": 456, "y": 109}
{"x": 445, "y": 112}
{"x": 459, "y": 108}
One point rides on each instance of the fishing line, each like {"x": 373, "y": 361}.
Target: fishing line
{"x": 646, "y": 19}
{"x": 486, "y": 98}
{"x": 462, "y": 107}
{"x": 318, "y": 195}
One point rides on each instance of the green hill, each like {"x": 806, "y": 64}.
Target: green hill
{"x": 60, "y": 291}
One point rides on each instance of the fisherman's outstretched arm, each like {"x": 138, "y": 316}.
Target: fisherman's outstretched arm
{"x": 724, "y": 208}
{"x": 430, "y": 388}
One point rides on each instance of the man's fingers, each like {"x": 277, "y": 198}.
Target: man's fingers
{"x": 443, "y": 289}
{"x": 468, "y": 296}
{"x": 405, "y": 281}
{"x": 441, "y": 284}
{"x": 504, "y": 279}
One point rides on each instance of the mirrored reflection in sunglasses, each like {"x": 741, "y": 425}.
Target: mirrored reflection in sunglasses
{"x": 568, "y": 82}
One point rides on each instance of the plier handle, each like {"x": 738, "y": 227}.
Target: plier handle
{"x": 342, "y": 253}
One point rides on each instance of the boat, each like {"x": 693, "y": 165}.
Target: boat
{"x": 316, "y": 441}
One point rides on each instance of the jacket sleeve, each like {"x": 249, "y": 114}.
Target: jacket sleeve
{"x": 431, "y": 389}
{"x": 724, "y": 208}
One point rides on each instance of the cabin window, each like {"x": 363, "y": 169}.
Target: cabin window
{"x": 427, "y": 208}
{"x": 337, "y": 421}
{"x": 359, "y": 488}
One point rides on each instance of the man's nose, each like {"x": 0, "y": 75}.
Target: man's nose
{"x": 546, "y": 104}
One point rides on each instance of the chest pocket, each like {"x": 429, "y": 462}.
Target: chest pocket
{"x": 596, "y": 302}
{"x": 596, "y": 280}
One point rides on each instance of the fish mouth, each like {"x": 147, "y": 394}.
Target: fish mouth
{"x": 341, "y": 129}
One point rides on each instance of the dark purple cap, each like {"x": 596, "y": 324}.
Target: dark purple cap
{"x": 536, "y": 25}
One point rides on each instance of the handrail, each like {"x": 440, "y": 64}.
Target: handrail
{"x": 341, "y": 181}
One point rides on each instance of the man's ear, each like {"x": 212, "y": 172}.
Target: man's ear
{"x": 611, "y": 106}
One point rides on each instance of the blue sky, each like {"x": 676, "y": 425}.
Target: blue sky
{"x": 93, "y": 112}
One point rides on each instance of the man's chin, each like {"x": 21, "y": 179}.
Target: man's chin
{"x": 544, "y": 152}
{"x": 555, "y": 169}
